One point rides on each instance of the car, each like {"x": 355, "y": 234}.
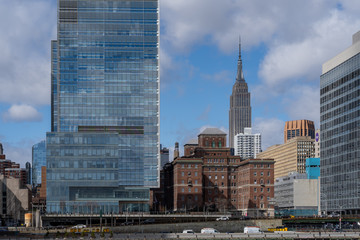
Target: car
{"x": 149, "y": 220}
{"x": 188, "y": 231}
{"x": 223, "y": 218}
{"x": 127, "y": 223}
{"x": 48, "y": 227}
{"x": 79, "y": 226}
{"x": 209, "y": 230}
{"x": 60, "y": 227}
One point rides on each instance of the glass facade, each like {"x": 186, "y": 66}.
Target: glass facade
{"x": 340, "y": 124}
{"x": 38, "y": 160}
{"x": 103, "y": 150}
{"x": 313, "y": 168}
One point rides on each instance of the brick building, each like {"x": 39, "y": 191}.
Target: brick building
{"x": 20, "y": 173}
{"x": 209, "y": 178}
{"x": 12, "y": 169}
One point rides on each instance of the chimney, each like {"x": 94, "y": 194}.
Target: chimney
{"x": 176, "y": 150}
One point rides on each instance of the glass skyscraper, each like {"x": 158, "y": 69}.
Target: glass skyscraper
{"x": 38, "y": 160}
{"x": 103, "y": 148}
{"x": 340, "y": 125}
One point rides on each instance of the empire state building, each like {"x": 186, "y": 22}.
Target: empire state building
{"x": 240, "y": 109}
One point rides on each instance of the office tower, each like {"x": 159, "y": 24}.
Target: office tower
{"x": 240, "y": 109}
{"x": 103, "y": 151}
{"x": 290, "y": 156}
{"x": 297, "y": 128}
{"x": 38, "y": 160}
{"x": 317, "y": 143}
{"x": 164, "y": 156}
{"x": 29, "y": 173}
{"x": 339, "y": 125}
{"x": 247, "y": 145}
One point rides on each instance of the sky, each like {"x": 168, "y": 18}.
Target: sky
{"x": 284, "y": 44}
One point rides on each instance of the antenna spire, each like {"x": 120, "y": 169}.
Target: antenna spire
{"x": 239, "y": 47}
{"x": 240, "y": 74}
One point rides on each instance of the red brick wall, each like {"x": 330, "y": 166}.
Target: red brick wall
{"x": 187, "y": 184}
{"x": 206, "y": 141}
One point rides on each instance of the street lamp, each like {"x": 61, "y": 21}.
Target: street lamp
{"x": 323, "y": 194}
{"x": 340, "y": 206}
{"x": 243, "y": 205}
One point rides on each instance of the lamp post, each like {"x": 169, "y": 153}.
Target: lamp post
{"x": 243, "y": 205}
{"x": 138, "y": 203}
{"x": 340, "y": 217}
{"x": 325, "y": 200}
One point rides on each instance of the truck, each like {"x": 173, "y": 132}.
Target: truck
{"x": 209, "y": 230}
{"x": 252, "y": 229}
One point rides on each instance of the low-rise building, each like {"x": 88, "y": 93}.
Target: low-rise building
{"x": 296, "y": 195}
{"x": 15, "y": 200}
{"x": 209, "y": 178}
{"x": 20, "y": 173}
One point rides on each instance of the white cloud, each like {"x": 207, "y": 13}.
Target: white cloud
{"x": 286, "y": 62}
{"x": 189, "y": 23}
{"x": 27, "y": 27}
{"x": 22, "y": 113}
{"x": 272, "y": 131}
{"x": 305, "y": 104}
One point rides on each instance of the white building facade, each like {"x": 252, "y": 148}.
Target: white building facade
{"x": 296, "y": 195}
{"x": 247, "y": 145}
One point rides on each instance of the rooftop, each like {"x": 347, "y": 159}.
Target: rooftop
{"x": 212, "y": 131}
{"x": 193, "y": 141}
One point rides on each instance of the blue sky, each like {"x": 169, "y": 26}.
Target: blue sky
{"x": 284, "y": 45}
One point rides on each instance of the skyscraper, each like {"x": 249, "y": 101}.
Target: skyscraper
{"x": 38, "y": 160}
{"x": 240, "y": 109}
{"x": 103, "y": 151}
{"x": 298, "y": 128}
{"x": 339, "y": 130}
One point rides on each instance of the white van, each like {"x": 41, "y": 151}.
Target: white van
{"x": 209, "y": 230}
{"x": 188, "y": 231}
{"x": 251, "y": 229}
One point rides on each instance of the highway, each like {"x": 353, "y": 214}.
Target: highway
{"x": 163, "y": 236}
{"x": 277, "y": 235}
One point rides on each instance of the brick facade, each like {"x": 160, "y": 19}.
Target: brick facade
{"x": 211, "y": 179}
